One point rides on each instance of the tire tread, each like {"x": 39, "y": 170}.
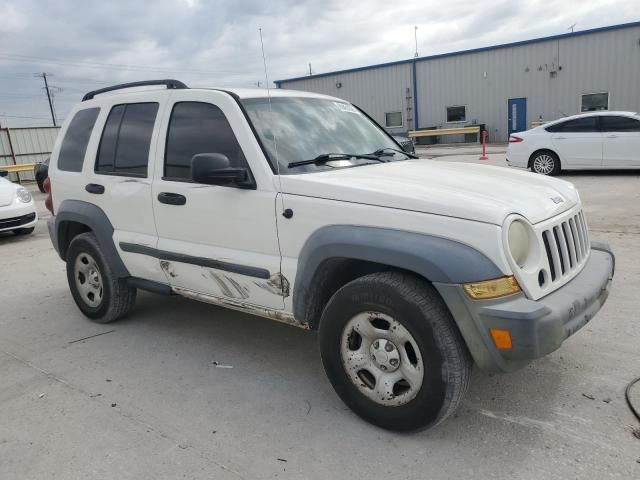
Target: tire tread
{"x": 457, "y": 362}
{"x": 122, "y": 297}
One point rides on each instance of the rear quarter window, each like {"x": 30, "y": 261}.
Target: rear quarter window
{"x": 74, "y": 144}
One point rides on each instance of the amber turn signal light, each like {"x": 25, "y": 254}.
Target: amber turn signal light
{"x": 501, "y": 338}
{"x": 499, "y": 287}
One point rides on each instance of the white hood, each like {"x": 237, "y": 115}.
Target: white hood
{"x": 463, "y": 190}
{"x": 7, "y": 192}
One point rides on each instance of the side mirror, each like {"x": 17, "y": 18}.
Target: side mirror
{"x": 215, "y": 169}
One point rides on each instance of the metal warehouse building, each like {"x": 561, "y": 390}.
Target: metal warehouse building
{"x": 506, "y": 87}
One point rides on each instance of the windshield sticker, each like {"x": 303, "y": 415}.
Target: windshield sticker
{"x": 346, "y": 107}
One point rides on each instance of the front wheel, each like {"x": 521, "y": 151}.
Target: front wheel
{"x": 100, "y": 295}
{"x": 393, "y": 353}
{"x": 545, "y": 163}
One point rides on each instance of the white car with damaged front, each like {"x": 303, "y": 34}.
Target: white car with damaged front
{"x": 17, "y": 209}
{"x": 589, "y": 141}
{"x": 300, "y": 208}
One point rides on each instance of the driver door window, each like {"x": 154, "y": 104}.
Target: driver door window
{"x": 197, "y": 127}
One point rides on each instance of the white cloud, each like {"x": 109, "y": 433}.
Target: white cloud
{"x": 216, "y": 42}
{"x": 11, "y": 19}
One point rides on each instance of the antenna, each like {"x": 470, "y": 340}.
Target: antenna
{"x": 275, "y": 143}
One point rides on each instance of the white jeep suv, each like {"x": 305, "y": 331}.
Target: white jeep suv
{"x": 299, "y": 208}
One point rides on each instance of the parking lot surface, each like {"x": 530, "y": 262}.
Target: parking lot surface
{"x": 181, "y": 389}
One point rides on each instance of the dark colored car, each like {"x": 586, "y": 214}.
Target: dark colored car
{"x": 41, "y": 172}
{"x": 406, "y": 143}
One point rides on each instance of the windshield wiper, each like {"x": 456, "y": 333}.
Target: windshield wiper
{"x": 387, "y": 151}
{"x": 329, "y": 157}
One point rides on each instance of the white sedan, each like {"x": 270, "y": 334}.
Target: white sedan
{"x": 590, "y": 141}
{"x": 17, "y": 209}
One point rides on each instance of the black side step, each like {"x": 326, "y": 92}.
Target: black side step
{"x": 149, "y": 286}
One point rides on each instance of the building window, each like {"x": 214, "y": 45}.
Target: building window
{"x": 456, "y": 114}
{"x": 594, "y": 101}
{"x": 393, "y": 119}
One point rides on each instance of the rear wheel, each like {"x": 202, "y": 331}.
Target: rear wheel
{"x": 545, "y": 163}
{"x": 97, "y": 292}
{"x": 40, "y": 182}
{"x": 392, "y": 352}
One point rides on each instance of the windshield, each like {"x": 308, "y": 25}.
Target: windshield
{"x": 306, "y": 128}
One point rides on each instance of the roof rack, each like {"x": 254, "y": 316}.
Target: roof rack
{"x": 171, "y": 84}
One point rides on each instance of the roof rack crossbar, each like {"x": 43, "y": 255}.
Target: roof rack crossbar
{"x": 170, "y": 84}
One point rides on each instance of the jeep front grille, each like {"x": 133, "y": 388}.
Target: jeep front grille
{"x": 567, "y": 246}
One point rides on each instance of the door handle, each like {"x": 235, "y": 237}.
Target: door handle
{"x": 172, "y": 198}
{"x": 559, "y": 138}
{"x": 612, "y": 136}
{"x": 95, "y": 188}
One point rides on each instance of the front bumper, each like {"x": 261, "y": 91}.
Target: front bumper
{"x": 13, "y": 217}
{"x": 537, "y": 328}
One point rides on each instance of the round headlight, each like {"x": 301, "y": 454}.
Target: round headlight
{"x": 23, "y": 195}
{"x": 518, "y": 237}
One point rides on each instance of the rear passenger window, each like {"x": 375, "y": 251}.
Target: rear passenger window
{"x": 620, "y": 124}
{"x": 126, "y": 138}
{"x": 586, "y": 124}
{"x": 197, "y": 127}
{"x": 74, "y": 144}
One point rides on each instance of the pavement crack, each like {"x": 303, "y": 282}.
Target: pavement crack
{"x": 557, "y": 428}
{"x": 90, "y": 336}
{"x": 614, "y": 231}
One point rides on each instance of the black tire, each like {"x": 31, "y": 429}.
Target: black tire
{"x": 416, "y": 305}
{"x": 545, "y": 162}
{"x": 24, "y": 231}
{"x": 118, "y": 297}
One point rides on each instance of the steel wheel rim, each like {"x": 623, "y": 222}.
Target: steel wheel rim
{"x": 544, "y": 164}
{"x": 88, "y": 279}
{"x": 381, "y": 359}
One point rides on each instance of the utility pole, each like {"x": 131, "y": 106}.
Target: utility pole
{"x": 310, "y": 73}
{"x": 572, "y": 27}
{"x": 415, "y": 34}
{"x": 43, "y": 75}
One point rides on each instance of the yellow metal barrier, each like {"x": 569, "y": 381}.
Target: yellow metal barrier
{"x": 537, "y": 123}
{"x": 21, "y": 167}
{"x": 444, "y": 131}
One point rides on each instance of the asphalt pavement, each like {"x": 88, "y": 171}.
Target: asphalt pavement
{"x": 181, "y": 389}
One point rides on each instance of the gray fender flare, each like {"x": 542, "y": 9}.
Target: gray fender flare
{"x": 435, "y": 258}
{"x": 94, "y": 218}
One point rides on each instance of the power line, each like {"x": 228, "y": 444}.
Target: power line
{"x": 22, "y": 116}
{"x": 113, "y": 66}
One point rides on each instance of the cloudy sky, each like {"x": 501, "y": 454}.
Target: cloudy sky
{"x": 85, "y": 45}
